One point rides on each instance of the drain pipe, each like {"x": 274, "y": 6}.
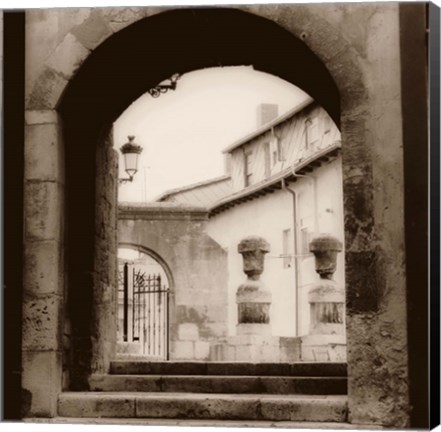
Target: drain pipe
{"x": 295, "y": 254}
{"x": 314, "y": 193}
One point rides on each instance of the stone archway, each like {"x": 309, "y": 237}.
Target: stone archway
{"x": 149, "y": 265}
{"x": 340, "y": 66}
{"x": 152, "y": 254}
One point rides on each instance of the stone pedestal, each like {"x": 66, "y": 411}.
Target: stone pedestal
{"x": 253, "y": 301}
{"x": 326, "y": 339}
{"x": 254, "y": 342}
{"x": 326, "y": 301}
{"x": 257, "y": 349}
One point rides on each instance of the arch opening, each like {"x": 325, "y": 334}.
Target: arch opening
{"x": 287, "y": 218}
{"x": 144, "y": 286}
{"x": 103, "y": 88}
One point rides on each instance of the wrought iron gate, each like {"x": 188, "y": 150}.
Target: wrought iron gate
{"x": 144, "y": 311}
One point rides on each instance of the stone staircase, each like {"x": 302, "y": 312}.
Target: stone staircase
{"x": 298, "y": 392}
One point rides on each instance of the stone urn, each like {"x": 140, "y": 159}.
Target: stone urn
{"x": 325, "y": 249}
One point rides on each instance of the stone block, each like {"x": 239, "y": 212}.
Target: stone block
{"x": 253, "y": 313}
{"x": 128, "y": 348}
{"x": 329, "y": 329}
{"x": 252, "y": 292}
{"x": 337, "y": 352}
{"x": 326, "y": 291}
{"x": 243, "y": 353}
{"x": 43, "y": 209}
{"x": 196, "y": 406}
{"x": 43, "y": 155}
{"x": 307, "y": 353}
{"x": 217, "y": 352}
{"x": 118, "y": 17}
{"x": 42, "y": 378}
{"x": 323, "y": 339}
{"x": 289, "y": 349}
{"x": 68, "y": 56}
{"x": 46, "y": 90}
{"x": 183, "y": 350}
{"x": 304, "y": 408}
{"x": 303, "y": 385}
{"x": 211, "y": 384}
{"x": 188, "y": 331}
{"x": 41, "y": 40}
{"x": 282, "y": 369}
{"x": 93, "y": 30}
{"x": 201, "y": 350}
{"x": 81, "y": 404}
{"x": 268, "y": 353}
{"x": 230, "y": 353}
{"x": 250, "y": 339}
{"x": 41, "y": 117}
{"x": 253, "y": 329}
{"x": 215, "y": 330}
{"x": 41, "y": 323}
{"x": 43, "y": 268}
{"x": 125, "y": 383}
{"x": 222, "y": 353}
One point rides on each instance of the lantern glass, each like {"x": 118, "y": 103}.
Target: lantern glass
{"x": 131, "y": 163}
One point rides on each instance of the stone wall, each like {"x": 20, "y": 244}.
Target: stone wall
{"x": 104, "y": 320}
{"x": 198, "y": 266}
{"x": 44, "y": 289}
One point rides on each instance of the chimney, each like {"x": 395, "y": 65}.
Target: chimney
{"x": 266, "y": 112}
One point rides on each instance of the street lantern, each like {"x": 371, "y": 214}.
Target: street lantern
{"x": 131, "y": 151}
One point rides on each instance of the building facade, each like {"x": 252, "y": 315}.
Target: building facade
{"x": 285, "y": 185}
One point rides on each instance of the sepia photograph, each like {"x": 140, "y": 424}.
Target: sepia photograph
{"x": 218, "y": 215}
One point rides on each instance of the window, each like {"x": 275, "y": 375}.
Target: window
{"x": 266, "y": 148}
{"x": 248, "y": 167}
{"x": 306, "y": 236}
{"x": 279, "y": 148}
{"x": 304, "y": 240}
{"x": 286, "y": 239}
{"x": 327, "y": 124}
{"x": 274, "y": 157}
{"x": 311, "y": 133}
{"x": 306, "y": 221}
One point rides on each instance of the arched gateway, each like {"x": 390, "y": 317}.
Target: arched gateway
{"x": 123, "y": 53}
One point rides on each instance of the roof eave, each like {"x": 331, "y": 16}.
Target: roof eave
{"x": 273, "y": 183}
{"x": 265, "y": 128}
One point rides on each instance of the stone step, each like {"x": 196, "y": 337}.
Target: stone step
{"x": 197, "y": 423}
{"x": 220, "y": 384}
{"x": 299, "y": 369}
{"x": 203, "y": 406}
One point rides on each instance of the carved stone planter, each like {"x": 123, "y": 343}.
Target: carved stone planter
{"x": 252, "y": 300}
{"x": 325, "y": 249}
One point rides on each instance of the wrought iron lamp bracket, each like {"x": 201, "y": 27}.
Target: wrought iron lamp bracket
{"x": 125, "y": 180}
{"x": 164, "y": 88}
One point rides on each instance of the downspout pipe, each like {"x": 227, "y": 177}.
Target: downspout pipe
{"x": 314, "y": 193}
{"x": 296, "y": 267}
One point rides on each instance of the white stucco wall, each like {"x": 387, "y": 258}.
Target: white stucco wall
{"x": 268, "y": 216}
{"x": 328, "y": 218}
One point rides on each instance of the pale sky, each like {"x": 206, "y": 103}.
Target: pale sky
{"x": 183, "y": 132}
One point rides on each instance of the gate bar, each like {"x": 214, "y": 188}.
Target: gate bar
{"x": 126, "y": 301}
